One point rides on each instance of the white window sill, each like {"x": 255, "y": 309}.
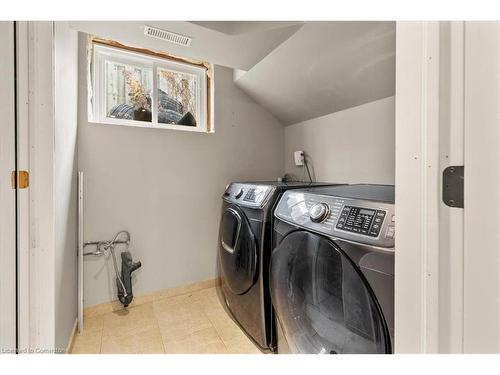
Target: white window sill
{"x": 150, "y": 125}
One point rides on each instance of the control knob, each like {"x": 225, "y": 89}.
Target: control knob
{"x": 319, "y": 212}
{"x": 239, "y": 194}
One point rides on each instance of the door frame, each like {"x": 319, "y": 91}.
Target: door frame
{"x": 447, "y": 258}
{"x": 8, "y": 259}
{"x": 429, "y": 277}
{"x": 36, "y": 205}
{"x": 417, "y": 179}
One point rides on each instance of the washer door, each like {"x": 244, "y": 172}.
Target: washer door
{"x": 322, "y": 301}
{"x": 238, "y": 251}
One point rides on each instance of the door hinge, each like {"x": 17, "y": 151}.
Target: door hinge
{"x": 20, "y": 179}
{"x": 453, "y": 186}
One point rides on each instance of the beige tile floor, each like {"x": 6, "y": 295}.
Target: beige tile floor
{"x": 193, "y": 323}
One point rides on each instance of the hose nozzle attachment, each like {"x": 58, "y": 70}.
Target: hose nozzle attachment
{"x": 128, "y": 266}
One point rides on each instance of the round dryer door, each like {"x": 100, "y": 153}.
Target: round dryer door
{"x": 238, "y": 251}
{"x": 322, "y": 301}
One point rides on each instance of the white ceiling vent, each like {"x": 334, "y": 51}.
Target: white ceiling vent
{"x": 168, "y": 36}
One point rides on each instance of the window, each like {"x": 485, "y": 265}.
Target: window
{"x": 149, "y": 89}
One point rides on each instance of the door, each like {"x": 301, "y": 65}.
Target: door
{"x": 238, "y": 251}
{"x": 447, "y": 257}
{"x": 322, "y": 301}
{"x": 481, "y": 239}
{"x": 7, "y": 193}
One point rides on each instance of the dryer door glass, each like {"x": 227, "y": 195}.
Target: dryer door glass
{"x": 323, "y": 302}
{"x": 238, "y": 251}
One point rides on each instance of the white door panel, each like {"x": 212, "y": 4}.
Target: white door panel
{"x": 482, "y": 188}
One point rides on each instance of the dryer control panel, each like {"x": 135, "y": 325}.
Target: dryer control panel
{"x": 360, "y": 221}
{"x": 249, "y": 195}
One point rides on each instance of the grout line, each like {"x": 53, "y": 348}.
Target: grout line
{"x": 163, "y": 345}
{"x": 219, "y": 336}
{"x": 191, "y": 304}
{"x": 242, "y": 333}
{"x": 216, "y": 329}
{"x": 102, "y": 335}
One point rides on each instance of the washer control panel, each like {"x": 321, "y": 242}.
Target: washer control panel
{"x": 359, "y": 221}
{"x": 249, "y": 195}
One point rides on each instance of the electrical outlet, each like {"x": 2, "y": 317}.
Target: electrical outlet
{"x": 298, "y": 156}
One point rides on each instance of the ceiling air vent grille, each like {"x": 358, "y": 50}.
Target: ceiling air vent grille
{"x": 168, "y": 36}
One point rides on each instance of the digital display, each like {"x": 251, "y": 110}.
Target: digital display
{"x": 366, "y": 212}
{"x": 361, "y": 220}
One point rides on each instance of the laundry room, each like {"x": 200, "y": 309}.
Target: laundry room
{"x": 220, "y": 190}
{"x": 303, "y": 103}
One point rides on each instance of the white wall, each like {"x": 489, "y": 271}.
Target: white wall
{"x": 355, "y": 145}
{"x": 66, "y": 91}
{"x": 165, "y": 186}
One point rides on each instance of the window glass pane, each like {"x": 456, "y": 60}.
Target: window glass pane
{"x": 128, "y": 91}
{"x": 178, "y": 101}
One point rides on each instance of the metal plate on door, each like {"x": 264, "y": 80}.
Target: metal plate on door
{"x": 453, "y": 186}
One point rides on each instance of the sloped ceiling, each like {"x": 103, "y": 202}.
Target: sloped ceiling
{"x": 323, "y": 68}
{"x": 241, "y": 48}
{"x": 244, "y": 27}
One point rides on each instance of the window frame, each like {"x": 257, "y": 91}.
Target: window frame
{"x": 103, "y": 51}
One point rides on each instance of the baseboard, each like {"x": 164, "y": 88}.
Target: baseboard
{"x": 71, "y": 340}
{"x": 115, "y": 305}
